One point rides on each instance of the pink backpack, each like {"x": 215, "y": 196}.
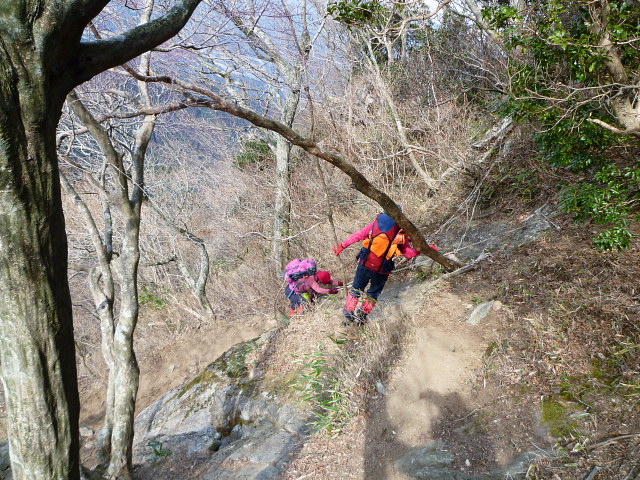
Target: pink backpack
{"x": 297, "y": 269}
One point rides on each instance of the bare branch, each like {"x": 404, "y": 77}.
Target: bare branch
{"x": 97, "y": 56}
{"x": 611, "y": 128}
{"x": 359, "y": 181}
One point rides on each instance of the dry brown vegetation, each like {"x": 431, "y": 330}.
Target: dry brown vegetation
{"x": 568, "y": 333}
{"x": 570, "y": 310}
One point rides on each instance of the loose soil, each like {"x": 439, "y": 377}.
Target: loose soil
{"x": 435, "y": 389}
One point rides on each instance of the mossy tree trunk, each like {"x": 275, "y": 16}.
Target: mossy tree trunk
{"x": 42, "y": 58}
{"x": 36, "y": 329}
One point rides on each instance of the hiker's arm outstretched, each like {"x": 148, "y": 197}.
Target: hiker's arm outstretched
{"x": 311, "y": 282}
{"x": 354, "y": 238}
{"x": 408, "y": 251}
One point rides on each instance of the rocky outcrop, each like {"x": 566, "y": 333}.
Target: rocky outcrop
{"x": 479, "y": 237}
{"x": 223, "y": 425}
{"x": 434, "y": 462}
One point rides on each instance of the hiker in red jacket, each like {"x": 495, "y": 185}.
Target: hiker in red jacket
{"x": 383, "y": 240}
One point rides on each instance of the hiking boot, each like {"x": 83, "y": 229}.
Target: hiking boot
{"x": 349, "y": 317}
{"x": 360, "y": 318}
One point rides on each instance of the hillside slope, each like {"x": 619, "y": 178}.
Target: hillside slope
{"x": 542, "y": 378}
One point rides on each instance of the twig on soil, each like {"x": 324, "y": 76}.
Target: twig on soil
{"x": 304, "y": 476}
{"x": 479, "y": 408}
{"x": 611, "y": 440}
{"x": 594, "y": 471}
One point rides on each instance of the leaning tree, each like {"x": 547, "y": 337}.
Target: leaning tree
{"x": 43, "y": 56}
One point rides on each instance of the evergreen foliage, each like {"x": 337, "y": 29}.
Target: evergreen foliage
{"x": 560, "y": 81}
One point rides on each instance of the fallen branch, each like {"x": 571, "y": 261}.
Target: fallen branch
{"x": 611, "y": 440}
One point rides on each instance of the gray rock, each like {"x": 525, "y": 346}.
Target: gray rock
{"x": 249, "y": 472}
{"x": 480, "y": 312}
{"x": 478, "y": 237}
{"x": 230, "y": 428}
{"x": 5, "y": 461}
{"x": 433, "y": 462}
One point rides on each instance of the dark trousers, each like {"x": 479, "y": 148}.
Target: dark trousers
{"x": 364, "y": 277}
{"x": 295, "y": 299}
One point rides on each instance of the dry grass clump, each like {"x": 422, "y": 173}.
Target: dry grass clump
{"x": 335, "y": 369}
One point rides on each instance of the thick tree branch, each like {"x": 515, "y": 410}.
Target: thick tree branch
{"x": 611, "y": 128}
{"x": 104, "y": 141}
{"x": 81, "y": 12}
{"x": 97, "y": 56}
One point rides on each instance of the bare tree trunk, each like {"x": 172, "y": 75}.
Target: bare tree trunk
{"x": 119, "y": 351}
{"x": 125, "y": 363}
{"x": 37, "y": 349}
{"x": 198, "y": 284}
{"x": 42, "y": 58}
{"x": 102, "y": 290}
{"x": 282, "y": 213}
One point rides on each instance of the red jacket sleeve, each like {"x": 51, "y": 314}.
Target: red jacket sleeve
{"x": 358, "y": 236}
{"x": 310, "y": 283}
{"x": 408, "y": 251}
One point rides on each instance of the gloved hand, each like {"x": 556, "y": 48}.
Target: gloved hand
{"x": 333, "y": 291}
{"x": 337, "y": 249}
{"x": 340, "y": 284}
{"x": 435, "y": 248}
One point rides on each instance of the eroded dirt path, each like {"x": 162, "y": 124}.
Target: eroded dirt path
{"x": 429, "y": 387}
{"x": 432, "y": 379}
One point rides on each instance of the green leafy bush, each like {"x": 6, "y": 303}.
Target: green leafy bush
{"x": 254, "y": 153}
{"x": 151, "y": 298}
{"x": 355, "y": 12}
{"x": 560, "y": 79}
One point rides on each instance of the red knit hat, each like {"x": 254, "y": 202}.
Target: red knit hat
{"x": 324, "y": 277}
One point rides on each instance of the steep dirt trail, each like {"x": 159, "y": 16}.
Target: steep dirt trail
{"x": 429, "y": 387}
{"x": 432, "y": 378}
{"x": 430, "y": 382}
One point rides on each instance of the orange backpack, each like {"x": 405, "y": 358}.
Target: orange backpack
{"x": 380, "y": 248}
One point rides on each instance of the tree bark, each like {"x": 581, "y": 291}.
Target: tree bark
{"x": 102, "y": 290}
{"x": 37, "y": 347}
{"x": 282, "y": 214}
{"x": 42, "y": 58}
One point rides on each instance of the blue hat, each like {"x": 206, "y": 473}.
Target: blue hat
{"x": 385, "y": 222}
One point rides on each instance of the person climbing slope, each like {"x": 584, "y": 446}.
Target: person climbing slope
{"x": 383, "y": 240}
{"x": 303, "y": 283}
